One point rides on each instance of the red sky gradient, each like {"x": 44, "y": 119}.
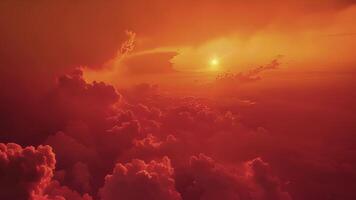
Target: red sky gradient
{"x": 177, "y": 100}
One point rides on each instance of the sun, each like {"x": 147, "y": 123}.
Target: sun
{"x": 214, "y": 61}
{"x": 214, "y": 64}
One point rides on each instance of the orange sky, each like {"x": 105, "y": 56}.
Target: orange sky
{"x": 181, "y": 36}
{"x": 312, "y": 36}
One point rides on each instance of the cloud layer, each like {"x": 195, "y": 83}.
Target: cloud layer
{"x": 156, "y": 132}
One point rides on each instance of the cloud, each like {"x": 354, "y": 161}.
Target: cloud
{"x": 140, "y": 180}
{"x": 57, "y": 192}
{"x": 260, "y": 173}
{"x": 150, "y": 63}
{"x": 129, "y": 45}
{"x": 206, "y": 179}
{"x": 69, "y": 99}
{"x": 250, "y": 75}
{"x": 25, "y": 172}
{"x": 70, "y": 151}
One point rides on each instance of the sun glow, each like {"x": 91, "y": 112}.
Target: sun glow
{"x": 214, "y": 64}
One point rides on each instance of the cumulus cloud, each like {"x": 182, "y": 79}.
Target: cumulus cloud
{"x": 206, "y": 179}
{"x": 269, "y": 185}
{"x": 68, "y": 150}
{"x": 55, "y": 191}
{"x": 140, "y": 180}
{"x": 25, "y": 172}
